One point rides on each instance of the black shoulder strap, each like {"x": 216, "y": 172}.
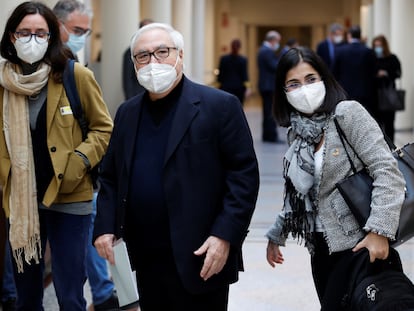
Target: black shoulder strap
{"x": 73, "y": 96}
{"x": 344, "y": 139}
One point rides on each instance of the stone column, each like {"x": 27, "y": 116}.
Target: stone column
{"x": 209, "y": 43}
{"x": 381, "y": 22}
{"x": 252, "y": 49}
{"x": 119, "y": 22}
{"x": 183, "y": 22}
{"x": 198, "y": 41}
{"x": 158, "y": 10}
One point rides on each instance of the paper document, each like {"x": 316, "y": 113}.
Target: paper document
{"x": 123, "y": 277}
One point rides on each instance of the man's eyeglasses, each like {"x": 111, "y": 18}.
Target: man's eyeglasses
{"x": 78, "y": 31}
{"x": 294, "y": 85}
{"x": 160, "y": 54}
{"x": 26, "y": 36}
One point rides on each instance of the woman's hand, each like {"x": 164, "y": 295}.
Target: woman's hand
{"x": 274, "y": 255}
{"x": 376, "y": 244}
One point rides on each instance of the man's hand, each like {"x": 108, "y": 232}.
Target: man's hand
{"x": 217, "y": 252}
{"x": 377, "y": 246}
{"x": 103, "y": 245}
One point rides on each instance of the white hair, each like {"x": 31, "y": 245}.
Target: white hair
{"x": 176, "y": 36}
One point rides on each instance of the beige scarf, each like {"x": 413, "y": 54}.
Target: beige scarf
{"x": 24, "y": 218}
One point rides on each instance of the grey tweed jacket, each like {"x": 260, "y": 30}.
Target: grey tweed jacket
{"x": 341, "y": 228}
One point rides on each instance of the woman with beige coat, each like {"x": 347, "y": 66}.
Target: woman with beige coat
{"x": 44, "y": 163}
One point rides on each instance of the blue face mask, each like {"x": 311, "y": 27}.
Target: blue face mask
{"x": 76, "y": 43}
{"x": 276, "y": 47}
{"x": 378, "y": 50}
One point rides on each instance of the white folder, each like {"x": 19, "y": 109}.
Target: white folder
{"x": 123, "y": 277}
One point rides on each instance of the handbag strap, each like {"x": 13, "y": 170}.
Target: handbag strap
{"x": 343, "y": 138}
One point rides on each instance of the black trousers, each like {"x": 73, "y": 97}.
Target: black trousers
{"x": 331, "y": 274}
{"x": 160, "y": 288}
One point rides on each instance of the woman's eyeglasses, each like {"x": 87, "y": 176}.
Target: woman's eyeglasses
{"x": 26, "y": 36}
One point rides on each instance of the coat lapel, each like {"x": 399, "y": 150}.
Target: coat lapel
{"x": 54, "y": 94}
{"x": 187, "y": 109}
{"x": 131, "y": 123}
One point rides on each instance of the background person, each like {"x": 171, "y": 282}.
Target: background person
{"x": 233, "y": 76}
{"x": 267, "y": 61}
{"x": 354, "y": 69}
{"x": 179, "y": 181}
{"x": 326, "y": 48}
{"x": 290, "y": 43}
{"x": 47, "y": 191}
{"x": 74, "y": 21}
{"x": 314, "y": 211}
{"x": 388, "y": 69}
{"x": 130, "y": 84}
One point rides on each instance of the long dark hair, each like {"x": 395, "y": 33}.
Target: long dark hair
{"x": 334, "y": 92}
{"x": 56, "y": 55}
{"x": 384, "y": 43}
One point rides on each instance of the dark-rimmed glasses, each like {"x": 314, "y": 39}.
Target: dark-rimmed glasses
{"x": 26, "y": 36}
{"x": 160, "y": 54}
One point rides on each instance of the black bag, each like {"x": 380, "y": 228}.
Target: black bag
{"x": 76, "y": 106}
{"x": 390, "y": 99}
{"x": 357, "y": 188}
{"x": 378, "y": 286}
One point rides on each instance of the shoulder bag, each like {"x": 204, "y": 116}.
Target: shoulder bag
{"x": 391, "y": 99}
{"x": 356, "y": 189}
{"x": 69, "y": 84}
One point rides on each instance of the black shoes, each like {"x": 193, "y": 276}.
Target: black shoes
{"x": 9, "y": 305}
{"x": 111, "y": 304}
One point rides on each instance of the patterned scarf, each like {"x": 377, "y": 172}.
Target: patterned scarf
{"x": 298, "y": 171}
{"x": 24, "y": 231}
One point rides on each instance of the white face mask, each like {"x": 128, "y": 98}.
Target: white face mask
{"x": 32, "y": 51}
{"x": 308, "y": 98}
{"x": 338, "y": 39}
{"x": 157, "y": 78}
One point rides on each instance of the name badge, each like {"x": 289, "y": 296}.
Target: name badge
{"x": 65, "y": 110}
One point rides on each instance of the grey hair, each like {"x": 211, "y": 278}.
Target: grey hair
{"x": 63, "y": 8}
{"x": 175, "y": 36}
{"x": 273, "y": 34}
{"x": 335, "y": 27}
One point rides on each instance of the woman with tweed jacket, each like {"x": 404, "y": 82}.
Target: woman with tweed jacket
{"x": 307, "y": 100}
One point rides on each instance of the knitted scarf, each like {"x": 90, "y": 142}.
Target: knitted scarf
{"x": 24, "y": 231}
{"x": 298, "y": 171}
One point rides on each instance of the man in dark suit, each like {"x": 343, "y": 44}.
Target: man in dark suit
{"x": 179, "y": 182}
{"x": 355, "y": 70}
{"x": 326, "y": 48}
{"x": 267, "y": 61}
{"x": 233, "y": 76}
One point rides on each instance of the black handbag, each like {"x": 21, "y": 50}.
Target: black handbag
{"x": 391, "y": 99}
{"x": 380, "y": 286}
{"x": 356, "y": 189}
